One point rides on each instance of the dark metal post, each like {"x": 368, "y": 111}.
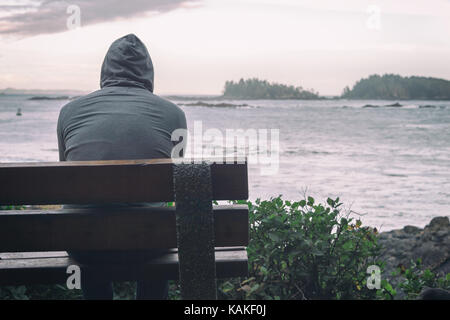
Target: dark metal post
{"x": 195, "y": 231}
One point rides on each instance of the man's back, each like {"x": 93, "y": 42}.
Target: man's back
{"x": 123, "y": 120}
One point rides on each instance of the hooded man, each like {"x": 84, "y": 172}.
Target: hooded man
{"x": 122, "y": 120}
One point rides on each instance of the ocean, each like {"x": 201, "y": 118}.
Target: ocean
{"x": 390, "y": 165}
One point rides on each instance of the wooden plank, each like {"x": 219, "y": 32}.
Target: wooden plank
{"x": 47, "y": 270}
{"x": 130, "y": 228}
{"x": 84, "y": 182}
{"x": 32, "y": 255}
{"x": 64, "y": 254}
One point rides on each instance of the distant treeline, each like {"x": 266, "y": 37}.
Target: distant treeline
{"x": 262, "y": 89}
{"x": 391, "y": 86}
{"x": 388, "y": 86}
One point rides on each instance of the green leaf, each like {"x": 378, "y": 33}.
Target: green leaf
{"x": 274, "y": 237}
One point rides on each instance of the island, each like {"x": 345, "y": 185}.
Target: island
{"x": 255, "y": 88}
{"x": 396, "y": 87}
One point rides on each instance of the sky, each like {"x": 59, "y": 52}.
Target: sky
{"x": 198, "y": 45}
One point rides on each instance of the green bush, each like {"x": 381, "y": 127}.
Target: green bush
{"x": 39, "y": 292}
{"x": 415, "y": 279}
{"x": 11, "y": 207}
{"x": 297, "y": 250}
{"x": 122, "y": 291}
{"x": 304, "y": 250}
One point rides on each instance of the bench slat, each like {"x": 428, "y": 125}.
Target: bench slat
{"x": 64, "y": 254}
{"x": 32, "y": 255}
{"x": 131, "y": 228}
{"x": 84, "y": 182}
{"x": 44, "y": 269}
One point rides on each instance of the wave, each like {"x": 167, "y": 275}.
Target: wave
{"x": 431, "y": 106}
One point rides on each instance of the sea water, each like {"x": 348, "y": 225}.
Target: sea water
{"x": 389, "y": 165}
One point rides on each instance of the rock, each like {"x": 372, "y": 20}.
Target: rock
{"x": 411, "y": 229}
{"x": 438, "y": 223}
{"x": 221, "y": 105}
{"x": 434, "y": 294}
{"x": 431, "y": 244}
{"x": 49, "y": 98}
{"x": 444, "y": 268}
{"x": 394, "y": 105}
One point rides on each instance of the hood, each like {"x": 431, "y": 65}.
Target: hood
{"x": 127, "y": 64}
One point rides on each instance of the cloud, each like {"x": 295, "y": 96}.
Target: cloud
{"x": 34, "y": 17}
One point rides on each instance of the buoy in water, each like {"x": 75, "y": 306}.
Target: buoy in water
{"x": 19, "y": 112}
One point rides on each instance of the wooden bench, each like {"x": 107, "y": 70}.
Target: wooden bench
{"x": 33, "y": 243}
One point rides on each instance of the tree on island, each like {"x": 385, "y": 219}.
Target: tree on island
{"x": 262, "y": 89}
{"x": 391, "y": 86}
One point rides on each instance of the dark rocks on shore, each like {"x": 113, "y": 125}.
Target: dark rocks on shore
{"x": 434, "y": 294}
{"x": 220, "y": 105}
{"x": 431, "y": 244}
{"x": 49, "y": 98}
{"x": 394, "y": 105}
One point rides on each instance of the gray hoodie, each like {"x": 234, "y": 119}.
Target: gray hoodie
{"x": 123, "y": 120}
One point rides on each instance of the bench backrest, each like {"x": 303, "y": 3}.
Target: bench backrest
{"x": 88, "y": 182}
{"x": 78, "y": 182}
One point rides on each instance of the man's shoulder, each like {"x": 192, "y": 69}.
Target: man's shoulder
{"x": 167, "y": 103}
{"x": 79, "y": 100}
{"x": 147, "y": 96}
